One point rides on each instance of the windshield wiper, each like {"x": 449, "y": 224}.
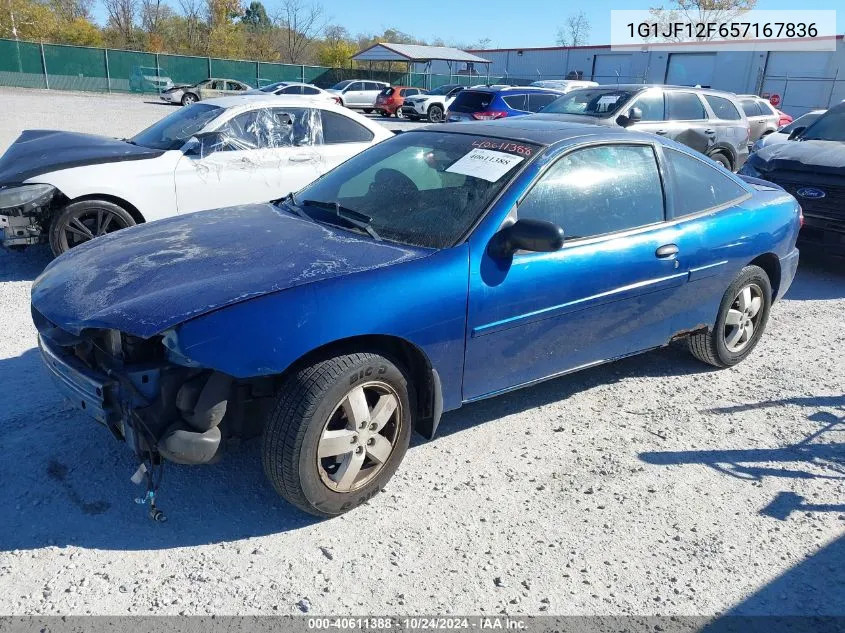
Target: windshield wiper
{"x": 350, "y": 216}
{"x": 291, "y": 203}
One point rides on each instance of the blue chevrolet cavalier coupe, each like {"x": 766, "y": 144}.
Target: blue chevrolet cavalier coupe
{"x": 439, "y": 267}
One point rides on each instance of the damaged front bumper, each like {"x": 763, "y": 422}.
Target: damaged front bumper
{"x": 157, "y": 407}
{"x": 24, "y": 212}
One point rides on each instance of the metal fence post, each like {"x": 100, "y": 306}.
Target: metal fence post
{"x": 108, "y": 74}
{"x": 44, "y": 66}
{"x": 302, "y": 73}
{"x": 208, "y": 60}
{"x": 832, "y": 87}
{"x": 257, "y": 74}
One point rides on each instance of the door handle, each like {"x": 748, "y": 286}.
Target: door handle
{"x": 302, "y": 158}
{"x": 661, "y": 132}
{"x": 710, "y": 132}
{"x": 667, "y": 250}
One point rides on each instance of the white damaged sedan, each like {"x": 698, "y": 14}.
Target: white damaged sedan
{"x": 68, "y": 188}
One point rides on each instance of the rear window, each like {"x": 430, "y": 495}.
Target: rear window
{"x": 471, "y": 101}
{"x": 723, "y": 108}
{"x": 751, "y": 108}
{"x": 386, "y": 92}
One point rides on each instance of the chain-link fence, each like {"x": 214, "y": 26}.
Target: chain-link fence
{"x": 63, "y": 67}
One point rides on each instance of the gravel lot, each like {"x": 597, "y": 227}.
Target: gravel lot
{"x": 650, "y": 486}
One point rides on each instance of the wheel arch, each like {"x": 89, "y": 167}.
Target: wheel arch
{"x": 424, "y": 377}
{"x": 725, "y": 151}
{"x": 770, "y": 263}
{"x": 131, "y": 209}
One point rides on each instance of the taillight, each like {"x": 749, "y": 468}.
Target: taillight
{"x": 389, "y": 100}
{"x": 747, "y": 133}
{"x": 489, "y": 115}
{"x": 800, "y": 217}
{"x": 337, "y": 100}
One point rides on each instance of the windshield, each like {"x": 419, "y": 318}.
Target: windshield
{"x": 442, "y": 90}
{"x": 802, "y": 121}
{"x": 829, "y": 127}
{"x": 274, "y": 86}
{"x": 341, "y": 85}
{"x": 590, "y": 102}
{"x": 175, "y": 129}
{"x": 421, "y": 188}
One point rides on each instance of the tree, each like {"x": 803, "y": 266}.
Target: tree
{"x": 194, "y": 30}
{"x": 301, "y": 23}
{"x": 576, "y": 31}
{"x": 699, "y": 11}
{"x": 336, "y": 48}
{"x": 121, "y": 20}
{"x": 255, "y": 17}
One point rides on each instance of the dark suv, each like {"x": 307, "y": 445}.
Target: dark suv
{"x": 709, "y": 121}
{"x": 487, "y": 103}
{"x": 811, "y": 166}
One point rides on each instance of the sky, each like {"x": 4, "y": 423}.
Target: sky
{"x": 507, "y": 23}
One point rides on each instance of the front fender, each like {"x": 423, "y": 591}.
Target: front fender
{"x": 423, "y": 302}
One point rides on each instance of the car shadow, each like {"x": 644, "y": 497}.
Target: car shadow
{"x": 818, "y": 278}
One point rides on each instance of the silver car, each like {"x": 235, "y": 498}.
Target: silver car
{"x": 762, "y": 117}
{"x": 358, "y": 93}
{"x": 208, "y": 89}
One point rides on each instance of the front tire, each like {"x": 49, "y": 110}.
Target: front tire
{"x": 338, "y": 432}
{"x": 740, "y": 322}
{"x": 82, "y": 221}
{"x": 188, "y": 98}
{"x": 723, "y": 160}
{"x": 368, "y": 110}
{"x": 435, "y": 114}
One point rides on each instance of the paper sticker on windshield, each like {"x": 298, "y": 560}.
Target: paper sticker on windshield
{"x": 485, "y": 164}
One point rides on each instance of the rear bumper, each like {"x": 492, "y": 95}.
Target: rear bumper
{"x": 788, "y": 267}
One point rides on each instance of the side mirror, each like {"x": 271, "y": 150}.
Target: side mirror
{"x": 204, "y": 143}
{"x": 537, "y": 236}
{"x": 797, "y": 132}
{"x": 634, "y": 115}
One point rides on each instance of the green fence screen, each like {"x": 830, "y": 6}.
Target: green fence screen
{"x": 62, "y": 67}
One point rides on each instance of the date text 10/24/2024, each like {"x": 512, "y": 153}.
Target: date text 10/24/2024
{"x": 421, "y": 623}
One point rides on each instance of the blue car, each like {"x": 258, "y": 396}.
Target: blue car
{"x": 488, "y": 103}
{"x": 439, "y": 267}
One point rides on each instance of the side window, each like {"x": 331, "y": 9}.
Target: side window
{"x": 684, "y": 106}
{"x": 768, "y": 108}
{"x": 354, "y": 86}
{"x": 290, "y": 90}
{"x": 308, "y": 90}
{"x": 517, "y": 102}
{"x": 338, "y": 128}
{"x": 723, "y": 108}
{"x": 751, "y": 108}
{"x": 598, "y": 190}
{"x": 697, "y": 185}
{"x": 234, "y": 85}
{"x": 270, "y": 128}
{"x": 218, "y": 84}
{"x": 403, "y": 93}
{"x": 652, "y": 106}
{"x": 370, "y": 85}
{"x": 538, "y": 102}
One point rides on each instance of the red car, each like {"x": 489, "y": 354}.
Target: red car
{"x": 390, "y": 100}
{"x": 784, "y": 119}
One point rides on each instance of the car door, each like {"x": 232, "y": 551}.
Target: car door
{"x": 652, "y": 104}
{"x": 687, "y": 122}
{"x": 610, "y": 290}
{"x": 212, "y": 88}
{"x": 354, "y": 95}
{"x": 263, "y": 154}
{"x": 756, "y": 122}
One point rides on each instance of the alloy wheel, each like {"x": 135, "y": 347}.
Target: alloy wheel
{"x": 743, "y": 318}
{"x": 87, "y": 224}
{"x": 359, "y": 436}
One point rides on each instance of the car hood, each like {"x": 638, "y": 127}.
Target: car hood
{"x": 814, "y": 156}
{"x": 38, "y": 152}
{"x": 146, "y": 279}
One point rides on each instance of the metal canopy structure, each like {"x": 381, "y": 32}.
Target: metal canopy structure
{"x": 416, "y": 53}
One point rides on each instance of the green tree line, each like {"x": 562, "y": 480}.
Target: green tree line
{"x": 295, "y": 32}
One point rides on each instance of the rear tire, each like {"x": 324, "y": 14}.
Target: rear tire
{"x": 746, "y": 303}
{"x": 435, "y": 114}
{"x": 85, "y": 220}
{"x": 368, "y": 110}
{"x": 723, "y": 160}
{"x": 338, "y": 432}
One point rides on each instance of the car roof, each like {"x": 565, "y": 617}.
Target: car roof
{"x": 512, "y": 89}
{"x": 639, "y": 87}
{"x": 266, "y": 99}
{"x": 537, "y": 130}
